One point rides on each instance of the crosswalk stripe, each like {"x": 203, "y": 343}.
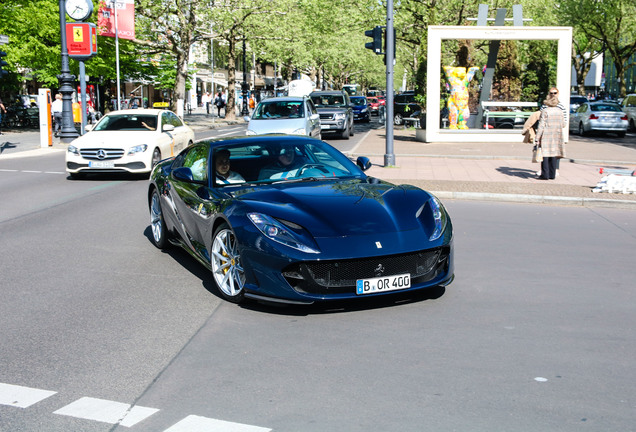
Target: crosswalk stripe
{"x": 106, "y": 411}
{"x": 194, "y": 423}
{"x": 22, "y": 397}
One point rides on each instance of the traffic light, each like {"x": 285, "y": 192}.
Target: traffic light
{"x": 376, "y": 45}
{"x": 3, "y": 64}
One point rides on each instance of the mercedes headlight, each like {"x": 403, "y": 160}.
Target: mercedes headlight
{"x": 300, "y": 131}
{"x": 138, "y": 149}
{"x": 74, "y": 150}
{"x": 276, "y": 231}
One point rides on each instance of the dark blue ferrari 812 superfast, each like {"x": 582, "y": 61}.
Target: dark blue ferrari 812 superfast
{"x": 291, "y": 219}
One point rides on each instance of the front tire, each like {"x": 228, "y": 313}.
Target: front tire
{"x": 225, "y": 260}
{"x": 157, "y": 223}
{"x": 156, "y": 157}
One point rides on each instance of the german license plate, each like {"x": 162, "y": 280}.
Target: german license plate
{"x": 325, "y": 126}
{"x": 101, "y": 164}
{"x": 382, "y": 284}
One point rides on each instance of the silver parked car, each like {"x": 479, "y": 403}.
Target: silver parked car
{"x": 599, "y": 117}
{"x": 629, "y": 108}
{"x": 292, "y": 115}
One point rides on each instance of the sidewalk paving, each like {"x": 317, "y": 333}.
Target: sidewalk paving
{"x": 501, "y": 171}
{"x": 473, "y": 171}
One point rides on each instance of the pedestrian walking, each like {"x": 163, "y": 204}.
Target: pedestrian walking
{"x": 133, "y": 103}
{"x": 550, "y": 137}
{"x": 3, "y": 110}
{"x": 57, "y": 108}
{"x": 205, "y": 100}
{"x": 219, "y": 103}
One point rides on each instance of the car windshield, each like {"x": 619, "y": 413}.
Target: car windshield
{"x": 358, "y": 100}
{"x": 127, "y": 122}
{"x": 274, "y": 161}
{"x": 279, "y": 110}
{"x": 604, "y": 107}
{"x": 328, "y": 100}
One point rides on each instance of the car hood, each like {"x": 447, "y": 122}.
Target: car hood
{"x": 111, "y": 139}
{"x": 330, "y": 110}
{"x": 329, "y": 209}
{"x": 268, "y": 126}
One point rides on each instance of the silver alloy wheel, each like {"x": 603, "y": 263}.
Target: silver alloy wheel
{"x": 156, "y": 157}
{"x": 226, "y": 264}
{"x": 156, "y": 220}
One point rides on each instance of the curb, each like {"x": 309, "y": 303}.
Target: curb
{"x": 537, "y": 199}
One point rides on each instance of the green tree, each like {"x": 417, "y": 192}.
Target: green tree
{"x": 610, "y": 22}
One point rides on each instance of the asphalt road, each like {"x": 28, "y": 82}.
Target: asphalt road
{"x": 536, "y": 333}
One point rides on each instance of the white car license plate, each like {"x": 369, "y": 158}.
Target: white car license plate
{"x": 101, "y": 164}
{"x": 325, "y": 126}
{"x": 384, "y": 283}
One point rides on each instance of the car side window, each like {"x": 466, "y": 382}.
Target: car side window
{"x": 197, "y": 160}
{"x": 175, "y": 121}
{"x": 165, "y": 120}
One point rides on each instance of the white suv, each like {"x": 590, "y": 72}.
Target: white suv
{"x": 629, "y": 108}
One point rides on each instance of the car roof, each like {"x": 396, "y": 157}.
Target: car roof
{"x": 328, "y": 92}
{"x": 141, "y": 111}
{"x": 261, "y": 139}
{"x": 285, "y": 99}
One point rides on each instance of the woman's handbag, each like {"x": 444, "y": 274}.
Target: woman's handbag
{"x": 537, "y": 155}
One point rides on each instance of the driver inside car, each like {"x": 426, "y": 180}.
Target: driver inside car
{"x": 287, "y": 165}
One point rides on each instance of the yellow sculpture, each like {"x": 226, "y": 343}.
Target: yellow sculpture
{"x": 458, "y": 80}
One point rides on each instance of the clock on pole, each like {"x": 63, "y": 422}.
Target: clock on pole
{"x": 79, "y": 10}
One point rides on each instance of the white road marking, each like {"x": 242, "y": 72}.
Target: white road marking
{"x": 541, "y": 379}
{"x": 106, "y": 411}
{"x": 22, "y": 397}
{"x": 195, "y": 423}
{"x": 34, "y": 172}
{"x": 8, "y": 170}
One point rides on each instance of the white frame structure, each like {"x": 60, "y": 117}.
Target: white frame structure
{"x": 563, "y": 35}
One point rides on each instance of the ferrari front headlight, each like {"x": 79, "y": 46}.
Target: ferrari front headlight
{"x": 276, "y": 231}
{"x": 439, "y": 217}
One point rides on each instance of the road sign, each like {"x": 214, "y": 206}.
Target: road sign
{"x": 4, "y": 39}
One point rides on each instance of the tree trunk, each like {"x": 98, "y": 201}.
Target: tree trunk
{"x": 230, "y": 112}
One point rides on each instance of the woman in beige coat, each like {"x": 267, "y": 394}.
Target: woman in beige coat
{"x": 550, "y": 137}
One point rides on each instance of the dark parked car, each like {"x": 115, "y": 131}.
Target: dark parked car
{"x": 336, "y": 114}
{"x": 300, "y": 223}
{"x": 360, "y": 109}
{"x": 404, "y": 105}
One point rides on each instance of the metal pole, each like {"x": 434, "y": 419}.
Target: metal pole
{"x": 389, "y": 157}
{"x": 117, "y": 56}
{"x": 82, "y": 69}
{"x": 68, "y": 132}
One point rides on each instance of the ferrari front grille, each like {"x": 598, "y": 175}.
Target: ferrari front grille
{"x": 331, "y": 277}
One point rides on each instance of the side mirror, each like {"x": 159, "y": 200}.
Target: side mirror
{"x": 363, "y": 163}
{"x": 314, "y": 116}
{"x": 168, "y": 128}
{"x": 183, "y": 174}
{"x": 88, "y": 128}
{"x": 246, "y": 118}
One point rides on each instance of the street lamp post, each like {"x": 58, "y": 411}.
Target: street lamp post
{"x": 68, "y": 132}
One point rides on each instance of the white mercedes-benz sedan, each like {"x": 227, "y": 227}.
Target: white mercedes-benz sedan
{"x": 130, "y": 141}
